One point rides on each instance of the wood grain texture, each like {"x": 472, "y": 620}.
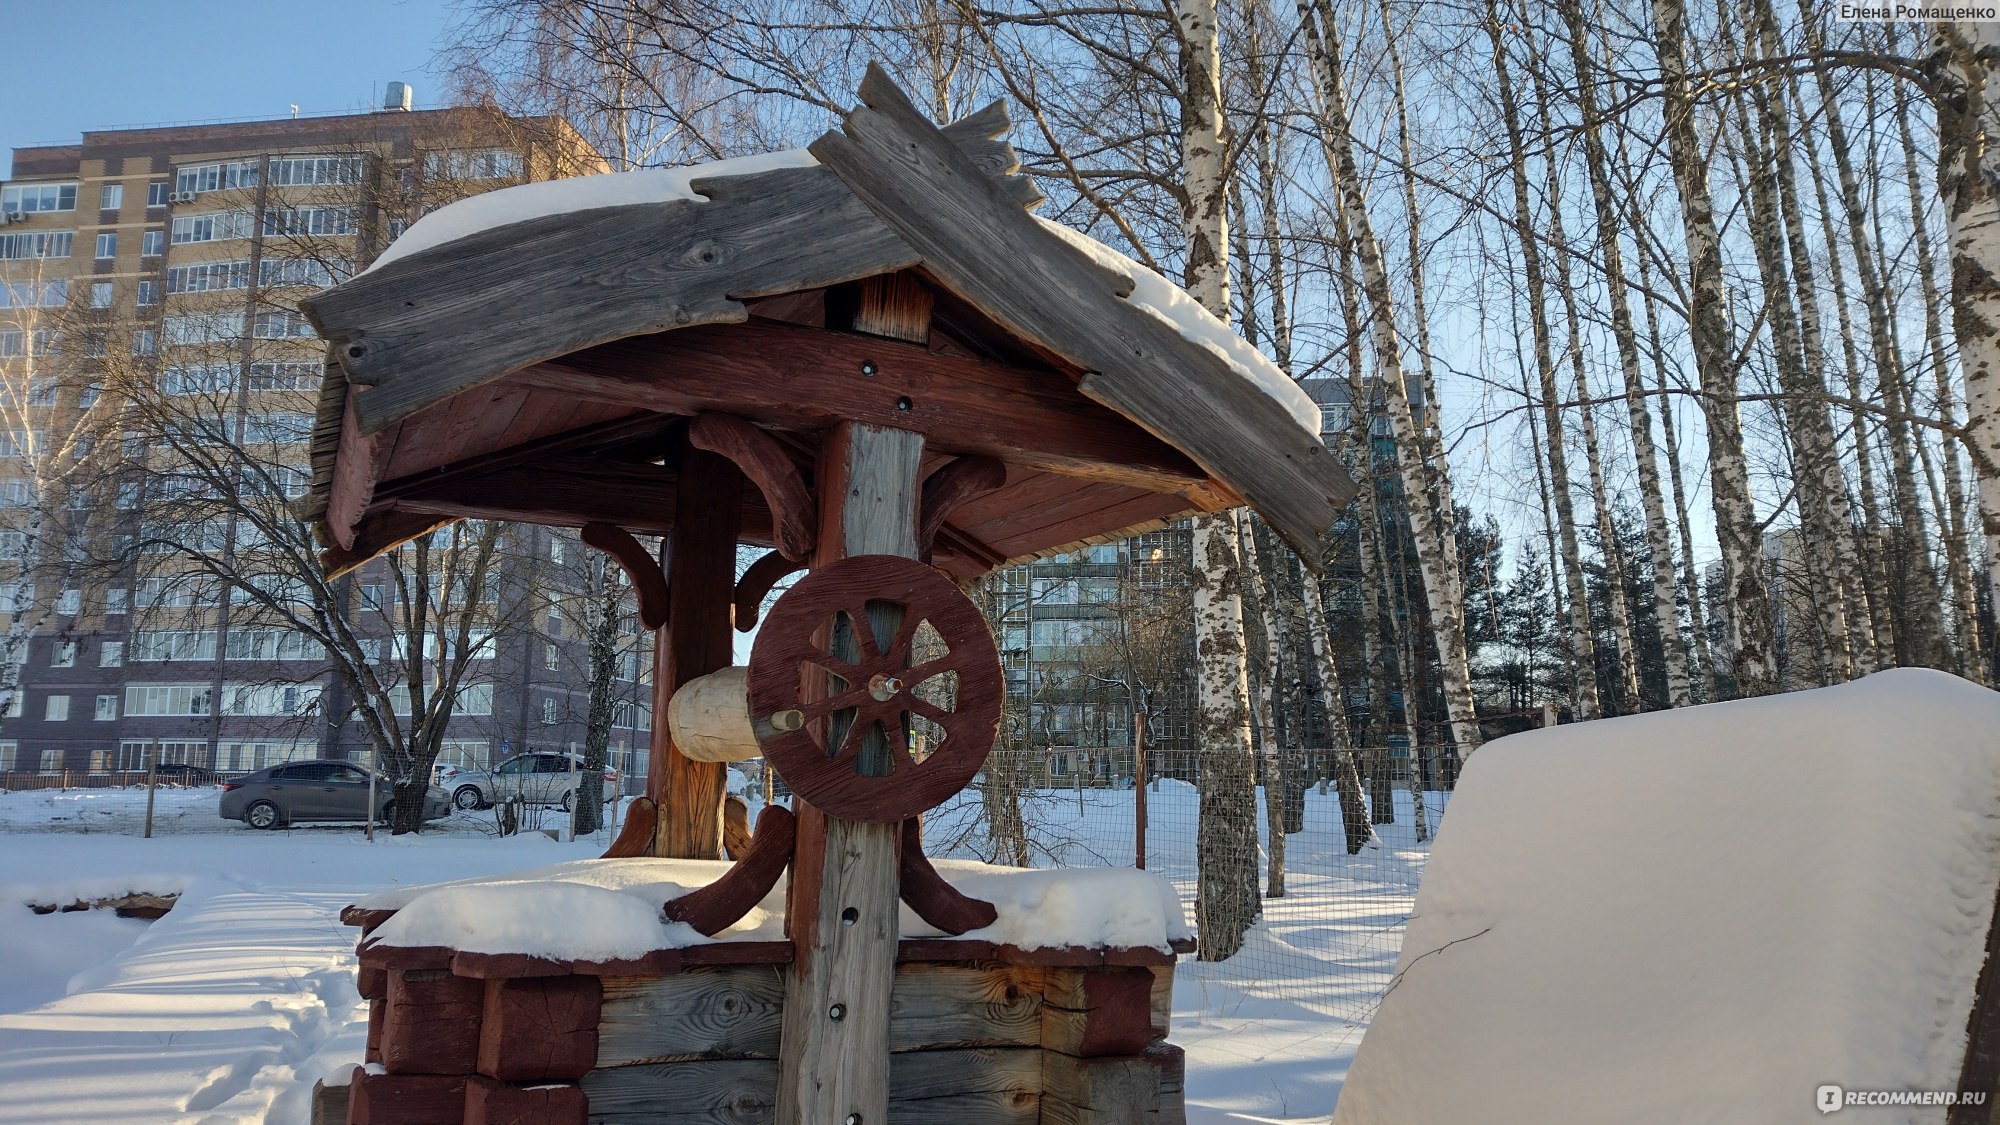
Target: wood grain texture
{"x": 935, "y": 900}
{"x": 770, "y": 468}
{"x": 731, "y": 1012}
{"x": 948, "y": 487}
{"x": 538, "y": 1029}
{"x": 1094, "y": 1013}
{"x": 964, "y": 225}
{"x": 701, "y": 573}
{"x": 1144, "y": 1089}
{"x": 432, "y": 1022}
{"x": 329, "y": 1105}
{"x": 948, "y": 1087}
{"x": 1980, "y": 1068}
{"x": 896, "y": 305}
{"x": 424, "y": 327}
{"x": 488, "y": 1102}
{"x": 791, "y": 377}
{"x": 721, "y": 904}
{"x": 756, "y": 584}
{"x": 635, "y": 836}
{"x": 405, "y": 1099}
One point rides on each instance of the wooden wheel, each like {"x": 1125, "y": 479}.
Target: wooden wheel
{"x": 833, "y": 679}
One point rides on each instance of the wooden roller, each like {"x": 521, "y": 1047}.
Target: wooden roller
{"x": 709, "y": 718}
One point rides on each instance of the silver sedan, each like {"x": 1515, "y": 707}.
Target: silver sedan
{"x": 316, "y": 790}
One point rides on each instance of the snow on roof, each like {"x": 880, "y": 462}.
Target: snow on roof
{"x": 522, "y": 202}
{"x": 606, "y": 909}
{"x": 1700, "y": 915}
{"x": 1151, "y": 293}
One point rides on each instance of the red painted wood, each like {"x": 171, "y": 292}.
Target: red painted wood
{"x": 488, "y": 1102}
{"x": 934, "y": 900}
{"x": 432, "y": 1025}
{"x": 405, "y": 1099}
{"x": 635, "y": 836}
{"x": 700, "y": 564}
{"x": 540, "y": 1028}
{"x": 1118, "y": 1012}
{"x": 755, "y": 586}
{"x": 718, "y": 906}
{"x": 486, "y": 966}
{"x": 947, "y": 488}
{"x": 765, "y": 462}
{"x": 648, "y": 582}
{"x": 792, "y": 641}
{"x": 378, "y": 1011}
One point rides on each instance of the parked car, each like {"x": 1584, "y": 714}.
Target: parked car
{"x": 316, "y": 790}
{"x": 180, "y": 773}
{"x": 538, "y": 777}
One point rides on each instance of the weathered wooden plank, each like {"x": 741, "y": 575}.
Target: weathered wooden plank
{"x": 540, "y": 1028}
{"x": 948, "y": 487}
{"x": 329, "y": 1104}
{"x": 570, "y": 492}
{"x": 379, "y": 532}
{"x": 488, "y": 1102}
{"x": 896, "y": 305}
{"x": 724, "y": 1012}
{"x": 432, "y": 1023}
{"x": 964, "y": 225}
{"x": 952, "y": 1087}
{"x": 426, "y": 326}
{"x": 983, "y": 1005}
{"x": 1098, "y": 1012}
{"x": 1144, "y": 1089}
{"x": 843, "y": 909}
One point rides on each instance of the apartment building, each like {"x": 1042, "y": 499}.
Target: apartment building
{"x": 155, "y": 272}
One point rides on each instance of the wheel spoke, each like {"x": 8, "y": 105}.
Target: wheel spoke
{"x": 912, "y": 621}
{"x": 834, "y": 666}
{"x": 928, "y": 710}
{"x": 864, "y": 633}
{"x": 899, "y": 745}
{"x": 929, "y": 668}
{"x": 820, "y": 708}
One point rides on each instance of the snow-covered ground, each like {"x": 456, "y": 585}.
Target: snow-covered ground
{"x": 227, "y": 1009}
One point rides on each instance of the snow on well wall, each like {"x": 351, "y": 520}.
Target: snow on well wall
{"x": 1700, "y": 915}
{"x": 606, "y": 909}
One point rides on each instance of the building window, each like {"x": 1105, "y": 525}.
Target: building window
{"x": 145, "y": 342}
{"x": 107, "y": 245}
{"x": 205, "y": 380}
{"x": 548, "y": 712}
{"x": 111, "y": 654}
{"x": 28, "y": 295}
{"x": 62, "y": 654}
{"x": 291, "y": 375}
{"x": 69, "y": 602}
{"x": 277, "y": 273}
{"x": 107, "y": 708}
{"x": 197, "y": 178}
{"x": 28, "y": 198}
{"x": 197, "y": 328}
{"x": 491, "y": 164}
{"x": 13, "y": 344}
{"x": 149, "y": 294}
{"x": 114, "y": 602}
{"x": 101, "y": 293}
{"x": 37, "y": 244}
{"x": 111, "y": 197}
{"x": 152, "y": 243}
{"x": 167, "y": 699}
{"x": 292, "y": 222}
{"x": 214, "y": 226}
{"x": 156, "y": 193}
{"x": 207, "y": 277}
{"x": 273, "y": 644}
{"x": 552, "y": 657}
{"x": 55, "y": 709}
{"x": 371, "y": 596}
{"x": 9, "y": 757}
{"x": 173, "y": 644}
{"x": 94, "y": 346}
{"x": 282, "y": 324}
{"x": 293, "y": 171}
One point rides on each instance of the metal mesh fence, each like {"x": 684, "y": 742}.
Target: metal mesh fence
{"x": 1325, "y": 942}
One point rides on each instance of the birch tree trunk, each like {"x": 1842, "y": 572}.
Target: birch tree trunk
{"x": 1261, "y": 599}
{"x": 1736, "y": 529}
{"x": 1437, "y": 553}
{"x": 1639, "y": 420}
{"x": 1226, "y": 846}
{"x": 1354, "y": 818}
{"x": 1969, "y": 183}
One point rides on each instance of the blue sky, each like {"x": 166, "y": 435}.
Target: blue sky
{"x": 73, "y": 65}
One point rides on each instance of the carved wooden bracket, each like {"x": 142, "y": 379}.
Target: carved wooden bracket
{"x": 948, "y": 487}
{"x": 794, "y": 517}
{"x": 934, "y": 900}
{"x": 718, "y": 906}
{"x": 639, "y": 565}
{"x": 635, "y": 836}
{"x": 756, "y": 583}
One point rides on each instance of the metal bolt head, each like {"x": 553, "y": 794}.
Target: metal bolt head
{"x": 868, "y": 367}
{"x": 837, "y": 1013}
{"x": 852, "y": 1119}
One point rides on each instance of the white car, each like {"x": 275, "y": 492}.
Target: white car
{"x": 539, "y": 777}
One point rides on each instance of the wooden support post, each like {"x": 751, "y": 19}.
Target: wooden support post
{"x": 152, "y": 783}
{"x": 834, "y": 1067}
{"x": 1139, "y": 789}
{"x": 700, "y": 564}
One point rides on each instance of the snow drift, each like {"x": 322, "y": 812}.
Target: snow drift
{"x": 1701, "y": 915}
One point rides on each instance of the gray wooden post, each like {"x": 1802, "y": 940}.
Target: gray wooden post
{"x": 834, "y": 1053}
{"x": 152, "y": 783}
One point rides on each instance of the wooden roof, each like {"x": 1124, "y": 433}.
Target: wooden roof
{"x": 544, "y": 370}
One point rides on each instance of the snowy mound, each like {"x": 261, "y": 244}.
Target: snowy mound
{"x": 607, "y": 909}
{"x": 1701, "y": 915}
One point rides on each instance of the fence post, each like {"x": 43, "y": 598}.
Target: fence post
{"x": 1139, "y": 790}
{"x": 152, "y": 783}
{"x": 575, "y": 794}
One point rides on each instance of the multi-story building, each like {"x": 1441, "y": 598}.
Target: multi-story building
{"x": 148, "y": 318}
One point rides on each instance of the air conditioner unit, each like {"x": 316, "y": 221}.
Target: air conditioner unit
{"x": 181, "y": 197}
{"x": 12, "y": 217}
